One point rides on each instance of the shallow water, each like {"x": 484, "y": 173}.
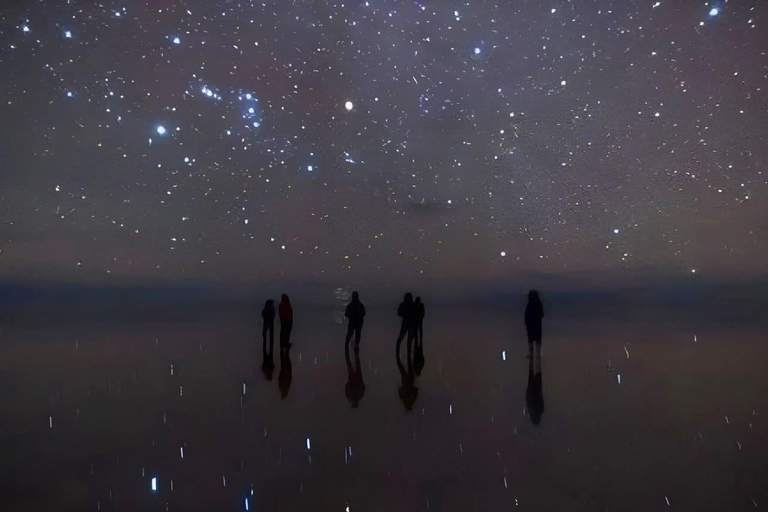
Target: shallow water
{"x": 91, "y": 413}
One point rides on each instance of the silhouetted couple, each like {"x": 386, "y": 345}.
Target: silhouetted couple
{"x": 412, "y": 314}
{"x": 286, "y": 323}
{"x": 285, "y": 312}
{"x": 534, "y": 392}
{"x": 412, "y": 324}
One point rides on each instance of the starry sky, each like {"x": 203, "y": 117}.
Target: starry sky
{"x": 250, "y": 141}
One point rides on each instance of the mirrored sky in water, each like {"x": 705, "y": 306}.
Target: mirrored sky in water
{"x": 642, "y": 414}
{"x": 235, "y": 140}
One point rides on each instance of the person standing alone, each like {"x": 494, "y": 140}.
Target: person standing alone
{"x": 286, "y": 321}
{"x": 355, "y": 313}
{"x": 268, "y": 319}
{"x": 534, "y": 312}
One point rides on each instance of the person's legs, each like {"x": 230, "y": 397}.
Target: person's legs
{"x": 288, "y": 335}
{"x": 420, "y": 337}
{"x": 358, "y": 333}
{"x": 411, "y": 339}
{"x": 403, "y": 330}
{"x": 264, "y": 329}
{"x": 350, "y": 330}
{"x": 271, "y": 338}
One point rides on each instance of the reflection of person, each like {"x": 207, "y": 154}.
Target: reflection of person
{"x": 418, "y": 358}
{"x": 534, "y": 312}
{"x": 355, "y": 388}
{"x": 534, "y": 394}
{"x": 286, "y": 321}
{"x": 355, "y": 312}
{"x": 408, "y": 391}
{"x": 405, "y": 311}
{"x": 286, "y": 372}
{"x": 268, "y": 319}
{"x": 268, "y": 365}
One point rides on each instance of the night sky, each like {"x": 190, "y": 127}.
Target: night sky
{"x": 249, "y": 141}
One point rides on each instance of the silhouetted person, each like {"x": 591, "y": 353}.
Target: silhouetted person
{"x": 408, "y": 326}
{"x": 534, "y": 394}
{"x": 355, "y": 388}
{"x": 268, "y": 325}
{"x": 408, "y": 391}
{"x": 286, "y": 321}
{"x": 286, "y": 372}
{"x": 355, "y": 313}
{"x": 418, "y": 308}
{"x": 534, "y": 312}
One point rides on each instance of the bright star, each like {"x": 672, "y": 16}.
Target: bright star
{"x": 348, "y": 105}
{"x": 477, "y": 51}
{"x": 161, "y": 130}
{"x": 714, "y": 11}
{"x": 68, "y": 34}
{"x": 176, "y": 40}
{"x": 310, "y": 168}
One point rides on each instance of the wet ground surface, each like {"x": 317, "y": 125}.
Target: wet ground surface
{"x": 622, "y": 415}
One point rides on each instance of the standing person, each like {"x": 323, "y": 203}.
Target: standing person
{"x": 419, "y": 314}
{"x": 355, "y": 313}
{"x": 268, "y": 325}
{"x": 286, "y": 321}
{"x": 534, "y": 312}
{"x": 405, "y": 311}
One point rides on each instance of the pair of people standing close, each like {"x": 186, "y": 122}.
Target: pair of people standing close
{"x": 412, "y": 312}
{"x": 285, "y": 312}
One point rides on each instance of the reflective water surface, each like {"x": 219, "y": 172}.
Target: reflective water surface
{"x": 616, "y": 414}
